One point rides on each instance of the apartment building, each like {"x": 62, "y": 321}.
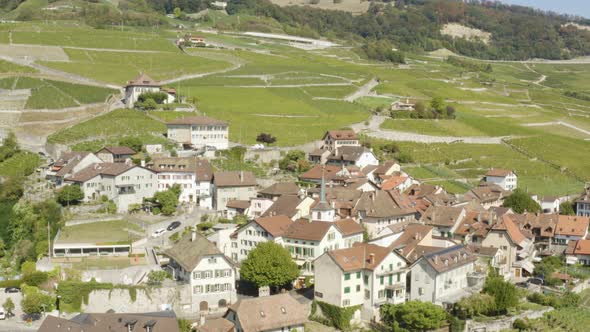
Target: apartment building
{"x": 199, "y": 132}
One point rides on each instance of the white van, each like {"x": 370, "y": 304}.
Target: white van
{"x": 2, "y": 315}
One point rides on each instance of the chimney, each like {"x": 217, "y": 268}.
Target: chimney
{"x": 435, "y": 259}
{"x": 241, "y": 176}
{"x": 479, "y": 217}
{"x": 193, "y": 235}
{"x": 333, "y": 204}
{"x": 142, "y": 163}
{"x": 371, "y": 258}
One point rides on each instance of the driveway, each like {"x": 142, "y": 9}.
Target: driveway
{"x": 15, "y": 323}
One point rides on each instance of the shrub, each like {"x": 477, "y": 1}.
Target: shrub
{"x": 205, "y": 226}
{"x": 337, "y": 316}
{"x": 474, "y": 305}
{"x": 520, "y": 324}
{"x": 157, "y": 97}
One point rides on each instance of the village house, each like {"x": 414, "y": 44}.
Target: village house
{"x": 517, "y": 250}
{"x": 115, "y": 154}
{"x": 578, "y": 252}
{"x": 365, "y": 274}
{"x": 318, "y": 156}
{"x": 488, "y": 195}
{"x": 256, "y": 231}
{"x": 444, "y": 219}
{"x": 583, "y": 203}
{"x": 279, "y": 189}
{"x": 423, "y": 195}
{"x": 145, "y": 84}
{"x": 352, "y": 155}
{"x": 504, "y": 178}
{"x": 236, "y": 207}
{"x": 474, "y": 227}
{"x": 377, "y": 210}
{"x": 401, "y": 105}
{"x": 123, "y": 183}
{"x": 193, "y": 175}
{"x": 444, "y": 276}
{"x": 272, "y": 313}
{"x": 232, "y": 185}
{"x": 332, "y": 174}
{"x": 258, "y": 206}
{"x": 549, "y": 204}
{"x": 164, "y": 321}
{"x": 70, "y": 163}
{"x": 571, "y": 228}
{"x": 377, "y": 173}
{"x": 199, "y": 132}
{"x": 306, "y": 240}
{"x": 335, "y": 139}
{"x": 211, "y": 276}
{"x": 539, "y": 227}
{"x": 292, "y": 206}
{"x": 218, "y": 324}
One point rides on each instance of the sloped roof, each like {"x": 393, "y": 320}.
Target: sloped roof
{"x": 445, "y": 216}
{"x": 143, "y": 80}
{"x": 164, "y": 321}
{"x": 284, "y": 205}
{"x": 216, "y": 325}
{"x": 275, "y": 225}
{"x": 498, "y": 172}
{"x": 118, "y": 150}
{"x": 579, "y": 247}
{"x": 110, "y": 169}
{"x": 483, "y": 251}
{"x": 407, "y": 242}
{"x": 201, "y": 167}
{"x": 380, "y": 204}
{"x": 476, "y": 223}
{"x": 69, "y": 160}
{"x": 315, "y": 173}
{"x": 305, "y": 230}
{"x": 572, "y": 225}
{"x": 506, "y": 224}
{"x": 234, "y": 179}
{"x": 384, "y": 167}
{"x": 269, "y": 312}
{"x": 450, "y": 258}
{"x": 348, "y": 153}
{"x": 359, "y": 256}
{"x": 237, "y": 204}
{"x": 393, "y": 181}
{"x": 188, "y": 253}
{"x": 341, "y": 135}
{"x": 281, "y": 188}
{"x": 349, "y": 227}
{"x": 197, "y": 120}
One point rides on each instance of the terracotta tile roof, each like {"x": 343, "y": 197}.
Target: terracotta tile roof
{"x": 579, "y": 247}
{"x": 216, "y": 325}
{"x": 448, "y": 259}
{"x": 238, "y": 204}
{"x": 483, "y": 251}
{"x": 487, "y": 193}
{"x": 369, "y": 168}
{"x": 408, "y": 241}
{"x": 380, "y": 204}
{"x": 188, "y": 253}
{"x": 384, "y": 167}
{"x": 67, "y": 162}
{"x": 393, "y": 181}
{"x": 476, "y": 223}
{"x": 234, "y": 179}
{"x": 269, "y": 313}
{"x": 201, "y": 167}
{"x": 419, "y": 251}
{"x": 572, "y": 225}
{"x": 305, "y": 230}
{"x": 359, "y": 256}
{"x": 118, "y": 150}
{"x": 443, "y": 216}
{"x": 109, "y": 169}
{"x": 284, "y": 205}
{"x": 275, "y": 225}
{"x": 500, "y": 210}
{"x": 197, "y": 120}
{"x": 143, "y": 80}
{"x": 349, "y": 227}
{"x": 281, "y": 188}
{"x": 498, "y": 172}
{"x": 315, "y": 173}
{"x": 164, "y": 321}
{"x": 341, "y": 135}
{"x": 537, "y": 224}
{"x": 506, "y": 224}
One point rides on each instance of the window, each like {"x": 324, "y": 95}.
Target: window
{"x": 196, "y": 275}
{"x": 346, "y": 290}
{"x": 381, "y": 294}
{"x": 358, "y": 288}
{"x": 358, "y": 275}
{"x": 197, "y": 289}
{"x": 367, "y": 294}
{"x": 381, "y": 280}
{"x": 345, "y": 303}
{"x": 420, "y": 291}
{"x": 399, "y": 276}
{"x": 366, "y": 280}
{"x": 347, "y": 276}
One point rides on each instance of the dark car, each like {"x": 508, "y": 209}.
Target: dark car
{"x": 11, "y": 290}
{"x": 174, "y": 225}
{"x": 536, "y": 281}
{"x": 32, "y": 317}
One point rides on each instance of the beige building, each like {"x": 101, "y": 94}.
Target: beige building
{"x": 199, "y": 132}
{"x": 115, "y": 154}
{"x": 334, "y": 139}
{"x": 145, "y": 84}
{"x": 234, "y": 185}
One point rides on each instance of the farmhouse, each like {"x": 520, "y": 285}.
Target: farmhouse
{"x": 506, "y": 179}
{"x": 334, "y": 139}
{"x": 115, "y": 154}
{"x": 199, "y": 132}
{"x": 68, "y": 164}
{"x": 229, "y": 186}
{"x": 145, "y": 84}
{"x": 400, "y": 105}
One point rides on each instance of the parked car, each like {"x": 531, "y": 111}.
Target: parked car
{"x": 158, "y": 232}
{"x": 11, "y": 290}
{"x": 174, "y": 225}
{"x": 2, "y": 315}
{"x": 536, "y": 281}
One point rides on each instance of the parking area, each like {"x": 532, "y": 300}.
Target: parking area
{"x": 15, "y": 323}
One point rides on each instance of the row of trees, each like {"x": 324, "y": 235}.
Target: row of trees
{"x": 436, "y": 109}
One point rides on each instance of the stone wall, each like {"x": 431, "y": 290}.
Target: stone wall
{"x": 502, "y": 324}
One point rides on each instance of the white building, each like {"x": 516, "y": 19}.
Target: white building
{"x": 366, "y": 275}
{"x": 578, "y": 252}
{"x": 259, "y": 230}
{"x": 199, "y": 132}
{"x": 231, "y": 186}
{"x": 193, "y": 175}
{"x": 70, "y": 163}
{"x": 209, "y": 273}
{"x": 380, "y": 209}
{"x": 276, "y": 313}
{"x": 443, "y": 277}
{"x": 335, "y": 139}
{"x": 352, "y": 155}
{"x": 506, "y": 179}
{"x": 144, "y": 84}
{"x": 583, "y": 203}
{"x": 123, "y": 183}
{"x": 549, "y": 204}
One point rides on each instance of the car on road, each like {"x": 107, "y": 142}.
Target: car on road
{"x": 536, "y": 281}
{"x": 174, "y": 225}
{"x": 11, "y": 290}
{"x": 2, "y": 315}
{"x": 158, "y": 232}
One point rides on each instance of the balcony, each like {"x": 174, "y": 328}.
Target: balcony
{"x": 388, "y": 272}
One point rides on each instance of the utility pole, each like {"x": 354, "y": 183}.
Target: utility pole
{"x": 49, "y": 241}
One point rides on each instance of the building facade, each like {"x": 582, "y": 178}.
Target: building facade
{"x": 199, "y": 132}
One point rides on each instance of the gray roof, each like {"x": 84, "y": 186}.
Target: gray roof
{"x": 112, "y": 322}
{"x": 189, "y": 253}
{"x": 234, "y": 179}
{"x": 269, "y": 313}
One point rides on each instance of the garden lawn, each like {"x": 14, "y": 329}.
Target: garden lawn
{"x": 118, "y": 67}
{"x": 105, "y": 232}
{"x": 113, "y": 125}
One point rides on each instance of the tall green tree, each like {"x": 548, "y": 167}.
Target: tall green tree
{"x": 519, "y": 201}
{"x": 413, "y": 316}
{"x": 567, "y": 208}
{"x": 8, "y": 306}
{"x": 504, "y": 293}
{"x": 71, "y": 194}
{"x": 269, "y": 264}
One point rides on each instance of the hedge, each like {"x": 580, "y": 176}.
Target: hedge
{"x": 337, "y": 316}
{"x": 10, "y": 283}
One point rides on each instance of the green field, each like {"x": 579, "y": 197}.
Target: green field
{"x": 106, "y": 232}
{"x": 21, "y": 164}
{"x": 11, "y": 68}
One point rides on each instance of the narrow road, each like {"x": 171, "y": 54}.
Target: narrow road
{"x": 362, "y": 91}
{"x": 565, "y": 124}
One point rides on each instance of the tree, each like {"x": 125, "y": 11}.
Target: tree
{"x": 35, "y": 302}
{"x": 520, "y": 202}
{"x": 177, "y": 12}
{"x": 156, "y": 278}
{"x": 168, "y": 201}
{"x": 269, "y": 264}
{"x": 520, "y": 324}
{"x": 265, "y": 138}
{"x": 294, "y": 161}
{"x": 8, "y": 306}
{"x": 504, "y": 293}
{"x": 567, "y": 208}
{"x": 475, "y": 305}
{"x": 184, "y": 325}
{"x": 131, "y": 142}
{"x": 71, "y": 194}
{"x": 413, "y": 315}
